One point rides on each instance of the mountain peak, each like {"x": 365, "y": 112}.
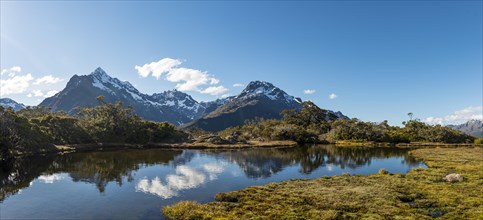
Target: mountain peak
{"x": 259, "y": 87}
{"x": 7, "y": 102}
{"x": 472, "y": 127}
{"x": 257, "y": 84}
{"x": 171, "y": 94}
{"x": 180, "y": 101}
{"x": 262, "y": 88}
{"x": 100, "y": 73}
{"x": 99, "y": 70}
{"x": 173, "y": 91}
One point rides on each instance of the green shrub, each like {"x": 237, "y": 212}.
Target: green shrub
{"x": 62, "y": 129}
{"x": 312, "y": 124}
{"x": 19, "y": 136}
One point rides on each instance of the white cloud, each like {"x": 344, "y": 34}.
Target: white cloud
{"x": 433, "y": 120}
{"x": 156, "y": 69}
{"x": 213, "y": 169}
{"x": 12, "y": 71}
{"x": 309, "y": 91}
{"x": 215, "y": 90}
{"x": 155, "y": 187}
{"x": 50, "y": 178}
{"x": 187, "y": 79}
{"x": 191, "y": 79}
{"x": 50, "y": 93}
{"x": 37, "y": 93}
{"x": 330, "y": 167}
{"x": 14, "y": 84}
{"x": 238, "y": 85}
{"x": 49, "y": 79}
{"x": 16, "y": 69}
{"x": 185, "y": 178}
{"x": 466, "y": 114}
{"x": 332, "y": 96}
{"x": 458, "y": 117}
{"x": 17, "y": 84}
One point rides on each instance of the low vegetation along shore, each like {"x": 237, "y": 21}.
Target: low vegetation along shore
{"x": 113, "y": 126}
{"x": 193, "y": 145}
{"x": 420, "y": 194}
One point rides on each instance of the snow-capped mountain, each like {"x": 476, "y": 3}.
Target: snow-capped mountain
{"x": 181, "y": 102}
{"x": 10, "y": 103}
{"x": 171, "y": 106}
{"x": 471, "y": 127}
{"x": 259, "y": 89}
{"x": 258, "y": 100}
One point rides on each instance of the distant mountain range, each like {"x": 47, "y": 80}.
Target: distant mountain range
{"x": 6, "y": 103}
{"x": 472, "y": 127}
{"x": 258, "y": 100}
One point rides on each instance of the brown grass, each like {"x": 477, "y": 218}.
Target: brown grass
{"x": 421, "y": 194}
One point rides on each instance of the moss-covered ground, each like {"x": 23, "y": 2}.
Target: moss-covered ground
{"x": 420, "y": 194}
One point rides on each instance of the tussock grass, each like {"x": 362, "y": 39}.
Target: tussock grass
{"x": 421, "y": 194}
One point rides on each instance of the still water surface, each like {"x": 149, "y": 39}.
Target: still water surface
{"x": 134, "y": 184}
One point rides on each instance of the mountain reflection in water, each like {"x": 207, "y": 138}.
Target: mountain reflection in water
{"x": 136, "y": 183}
{"x": 266, "y": 162}
{"x": 100, "y": 168}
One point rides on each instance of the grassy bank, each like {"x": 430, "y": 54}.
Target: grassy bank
{"x": 401, "y": 145}
{"x": 363, "y": 144}
{"x": 421, "y": 194}
{"x": 435, "y": 144}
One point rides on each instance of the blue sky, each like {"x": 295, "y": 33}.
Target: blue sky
{"x": 380, "y": 59}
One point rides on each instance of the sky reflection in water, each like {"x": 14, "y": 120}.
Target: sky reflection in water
{"x": 185, "y": 178}
{"x": 134, "y": 184}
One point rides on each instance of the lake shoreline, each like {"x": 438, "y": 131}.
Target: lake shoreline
{"x": 422, "y": 193}
{"x": 181, "y": 146}
{"x": 71, "y": 148}
{"x": 400, "y": 145}
{"x": 249, "y": 145}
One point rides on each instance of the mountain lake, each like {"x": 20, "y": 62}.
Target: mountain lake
{"x": 135, "y": 184}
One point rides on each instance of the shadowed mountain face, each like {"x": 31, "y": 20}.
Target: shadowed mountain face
{"x": 263, "y": 163}
{"x": 258, "y": 100}
{"x": 472, "y": 127}
{"x": 81, "y": 91}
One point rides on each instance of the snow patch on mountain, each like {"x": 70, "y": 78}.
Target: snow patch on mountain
{"x": 262, "y": 88}
{"x": 10, "y": 103}
{"x": 178, "y": 99}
